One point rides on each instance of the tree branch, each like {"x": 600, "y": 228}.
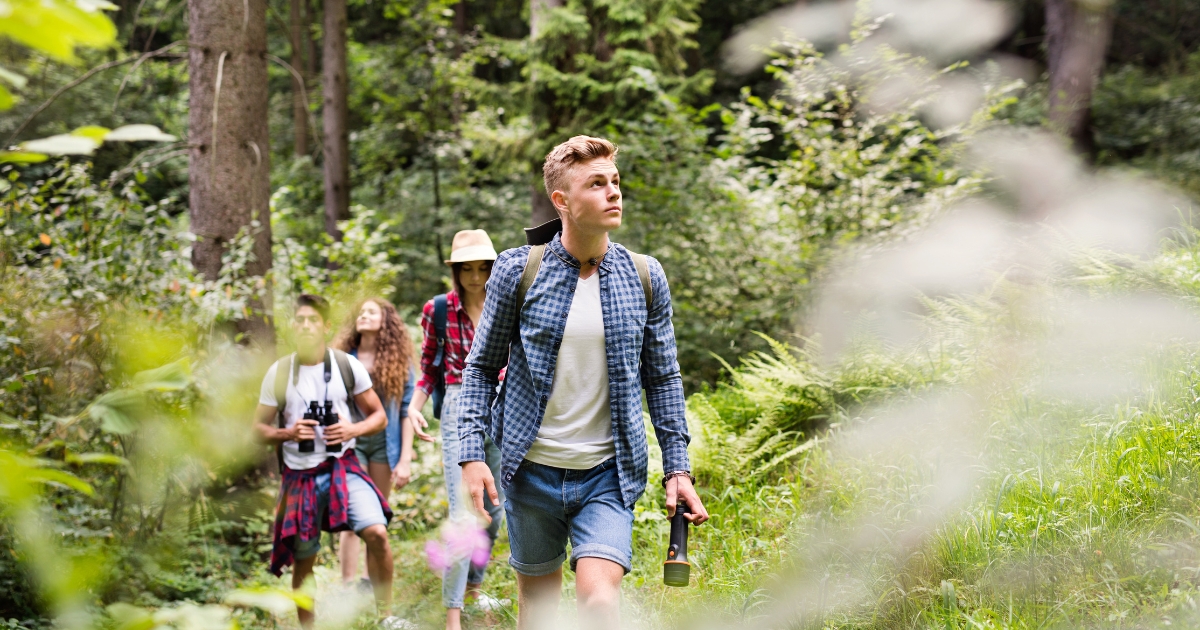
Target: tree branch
{"x": 87, "y": 75}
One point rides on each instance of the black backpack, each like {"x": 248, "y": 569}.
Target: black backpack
{"x": 439, "y": 360}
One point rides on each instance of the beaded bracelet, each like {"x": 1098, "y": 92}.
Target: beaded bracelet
{"x": 678, "y": 473}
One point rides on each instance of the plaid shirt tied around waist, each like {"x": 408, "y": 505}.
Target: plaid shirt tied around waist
{"x": 296, "y": 513}
{"x": 640, "y": 347}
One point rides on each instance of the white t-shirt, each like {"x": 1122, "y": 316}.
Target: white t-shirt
{"x": 576, "y": 432}
{"x": 309, "y": 387}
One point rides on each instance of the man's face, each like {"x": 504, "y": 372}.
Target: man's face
{"x": 310, "y": 327}
{"x": 593, "y": 203}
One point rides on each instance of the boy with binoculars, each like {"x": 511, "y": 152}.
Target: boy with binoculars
{"x": 312, "y": 407}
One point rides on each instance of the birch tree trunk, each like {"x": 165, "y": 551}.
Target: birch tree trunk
{"x": 1077, "y": 36}
{"x": 229, "y": 174}
{"x": 336, "y": 113}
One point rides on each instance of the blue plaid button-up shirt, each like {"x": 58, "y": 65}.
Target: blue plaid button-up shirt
{"x": 641, "y": 354}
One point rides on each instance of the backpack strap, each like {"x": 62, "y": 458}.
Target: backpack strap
{"x": 281, "y": 382}
{"x": 439, "y": 327}
{"x": 343, "y": 363}
{"x": 643, "y": 269}
{"x": 532, "y": 265}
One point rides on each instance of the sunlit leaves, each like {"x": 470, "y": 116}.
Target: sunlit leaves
{"x": 83, "y": 141}
{"x": 272, "y": 600}
{"x": 57, "y": 27}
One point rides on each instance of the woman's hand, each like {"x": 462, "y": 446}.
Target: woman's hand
{"x": 418, "y": 423}
{"x": 401, "y": 474}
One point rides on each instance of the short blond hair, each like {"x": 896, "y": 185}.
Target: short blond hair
{"x": 556, "y": 171}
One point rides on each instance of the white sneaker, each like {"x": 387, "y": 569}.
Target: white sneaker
{"x": 396, "y": 623}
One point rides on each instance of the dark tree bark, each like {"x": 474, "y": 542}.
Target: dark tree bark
{"x": 229, "y": 175}
{"x": 542, "y": 210}
{"x": 296, "y": 16}
{"x": 336, "y": 114}
{"x": 460, "y": 17}
{"x": 1077, "y": 37}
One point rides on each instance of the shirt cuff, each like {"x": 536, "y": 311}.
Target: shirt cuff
{"x": 470, "y": 448}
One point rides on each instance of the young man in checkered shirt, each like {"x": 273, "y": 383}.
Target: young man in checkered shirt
{"x": 579, "y": 351}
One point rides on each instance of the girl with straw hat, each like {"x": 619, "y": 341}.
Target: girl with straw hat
{"x": 449, "y": 322}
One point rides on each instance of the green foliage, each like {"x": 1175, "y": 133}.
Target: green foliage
{"x": 56, "y": 28}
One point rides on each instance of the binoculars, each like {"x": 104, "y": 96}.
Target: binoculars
{"x": 324, "y": 416}
{"x": 677, "y": 570}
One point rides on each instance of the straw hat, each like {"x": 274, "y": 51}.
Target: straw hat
{"x": 471, "y": 245}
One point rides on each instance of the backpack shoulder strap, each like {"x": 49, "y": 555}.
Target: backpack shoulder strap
{"x": 283, "y": 369}
{"x": 439, "y": 326}
{"x": 343, "y": 363}
{"x": 532, "y": 265}
{"x": 643, "y": 269}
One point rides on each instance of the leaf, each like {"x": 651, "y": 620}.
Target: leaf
{"x": 130, "y": 617}
{"x": 22, "y": 157}
{"x": 117, "y": 410}
{"x": 44, "y": 238}
{"x": 107, "y": 459}
{"x": 7, "y": 100}
{"x": 13, "y": 78}
{"x": 59, "y": 478}
{"x": 168, "y": 378}
{"x": 95, "y": 132}
{"x": 62, "y": 144}
{"x": 137, "y": 133}
{"x": 56, "y": 27}
{"x": 272, "y": 600}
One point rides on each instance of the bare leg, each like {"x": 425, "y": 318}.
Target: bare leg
{"x": 381, "y": 476}
{"x": 453, "y": 619}
{"x": 379, "y": 566}
{"x": 472, "y": 591}
{"x": 348, "y": 551}
{"x": 537, "y": 598}
{"x": 598, "y": 588}
{"x": 300, "y": 572}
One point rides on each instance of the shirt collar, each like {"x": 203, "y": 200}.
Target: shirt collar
{"x": 556, "y": 246}
{"x": 453, "y": 302}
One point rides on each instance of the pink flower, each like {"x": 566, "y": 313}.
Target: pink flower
{"x": 458, "y": 541}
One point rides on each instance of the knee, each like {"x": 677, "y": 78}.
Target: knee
{"x": 600, "y": 596}
{"x": 375, "y": 536}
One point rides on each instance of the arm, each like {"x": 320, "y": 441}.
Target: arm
{"x": 402, "y": 473}
{"x": 375, "y": 421}
{"x": 664, "y": 396}
{"x": 424, "y": 388}
{"x": 489, "y": 355}
{"x": 264, "y": 419}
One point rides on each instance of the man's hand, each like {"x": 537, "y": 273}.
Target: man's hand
{"x": 343, "y": 431}
{"x": 302, "y": 430}
{"x": 478, "y": 478}
{"x": 417, "y": 420}
{"x": 680, "y": 487}
{"x": 401, "y": 474}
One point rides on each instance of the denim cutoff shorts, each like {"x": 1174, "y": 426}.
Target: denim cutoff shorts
{"x": 364, "y": 510}
{"x": 547, "y": 506}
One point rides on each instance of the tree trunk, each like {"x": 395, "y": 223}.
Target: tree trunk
{"x": 1077, "y": 37}
{"x": 336, "y": 113}
{"x": 229, "y": 174}
{"x": 460, "y": 17}
{"x": 542, "y": 210}
{"x": 298, "y": 24}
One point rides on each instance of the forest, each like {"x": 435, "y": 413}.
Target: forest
{"x": 933, "y": 266}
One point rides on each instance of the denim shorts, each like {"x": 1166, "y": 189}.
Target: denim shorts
{"x": 364, "y": 509}
{"x": 547, "y": 506}
{"x": 371, "y": 448}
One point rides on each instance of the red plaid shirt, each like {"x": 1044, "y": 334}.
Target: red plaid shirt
{"x": 460, "y": 332}
{"x": 296, "y": 513}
